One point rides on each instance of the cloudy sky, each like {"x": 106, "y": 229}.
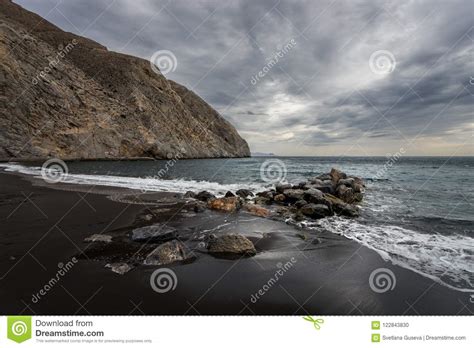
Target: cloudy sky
{"x": 312, "y": 77}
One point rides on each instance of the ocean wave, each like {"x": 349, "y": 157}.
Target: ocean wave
{"x": 147, "y": 184}
{"x": 446, "y": 259}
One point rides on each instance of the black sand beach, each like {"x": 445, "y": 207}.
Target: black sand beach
{"x": 44, "y": 226}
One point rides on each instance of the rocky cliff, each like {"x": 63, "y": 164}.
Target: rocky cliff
{"x": 66, "y": 96}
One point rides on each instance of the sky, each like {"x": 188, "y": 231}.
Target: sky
{"x": 313, "y": 78}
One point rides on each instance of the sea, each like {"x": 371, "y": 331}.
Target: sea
{"x": 417, "y": 212}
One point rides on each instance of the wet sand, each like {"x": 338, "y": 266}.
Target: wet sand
{"x": 45, "y": 225}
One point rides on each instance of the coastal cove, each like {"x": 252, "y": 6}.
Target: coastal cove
{"x": 331, "y": 261}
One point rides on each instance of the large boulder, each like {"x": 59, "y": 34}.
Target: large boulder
{"x": 227, "y": 204}
{"x": 169, "y": 252}
{"x": 235, "y": 244}
{"x": 154, "y": 234}
{"x": 316, "y": 211}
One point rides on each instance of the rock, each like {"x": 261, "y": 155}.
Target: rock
{"x": 76, "y": 110}
{"x": 256, "y": 210}
{"x": 315, "y": 211}
{"x": 300, "y": 203}
{"x": 282, "y": 187}
{"x": 101, "y": 238}
{"x": 324, "y": 177}
{"x": 347, "y": 182}
{"x": 299, "y": 185}
{"x": 266, "y": 194}
{"x": 154, "y": 233}
{"x": 229, "y": 194}
{"x": 342, "y": 208}
{"x": 147, "y": 217}
{"x": 336, "y": 175}
{"x": 199, "y": 207}
{"x": 345, "y": 193}
{"x": 204, "y": 196}
{"x": 227, "y": 204}
{"x": 349, "y": 210}
{"x": 169, "y": 252}
{"x": 294, "y": 194}
{"x": 244, "y": 193}
{"x": 279, "y": 198}
{"x": 325, "y": 188}
{"x": 313, "y": 196}
{"x": 189, "y": 194}
{"x": 262, "y": 200}
{"x": 358, "y": 188}
{"x": 119, "y": 267}
{"x": 316, "y": 181}
{"x": 284, "y": 212}
{"x": 231, "y": 244}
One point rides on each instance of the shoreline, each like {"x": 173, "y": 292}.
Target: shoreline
{"x": 330, "y": 276}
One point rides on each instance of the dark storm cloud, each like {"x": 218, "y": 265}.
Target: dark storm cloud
{"x": 320, "y": 90}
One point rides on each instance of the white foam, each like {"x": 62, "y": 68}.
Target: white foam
{"x": 445, "y": 259}
{"x": 151, "y": 184}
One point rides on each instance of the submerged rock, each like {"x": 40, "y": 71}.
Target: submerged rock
{"x": 102, "y": 238}
{"x": 154, "y": 233}
{"x": 169, "y": 252}
{"x": 231, "y": 244}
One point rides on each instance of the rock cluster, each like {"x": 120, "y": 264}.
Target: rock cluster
{"x": 318, "y": 197}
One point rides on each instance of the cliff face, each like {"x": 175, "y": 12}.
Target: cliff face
{"x": 66, "y": 96}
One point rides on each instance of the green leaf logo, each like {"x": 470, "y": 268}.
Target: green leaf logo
{"x": 19, "y": 328}
{"x": 316, "y": 322}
